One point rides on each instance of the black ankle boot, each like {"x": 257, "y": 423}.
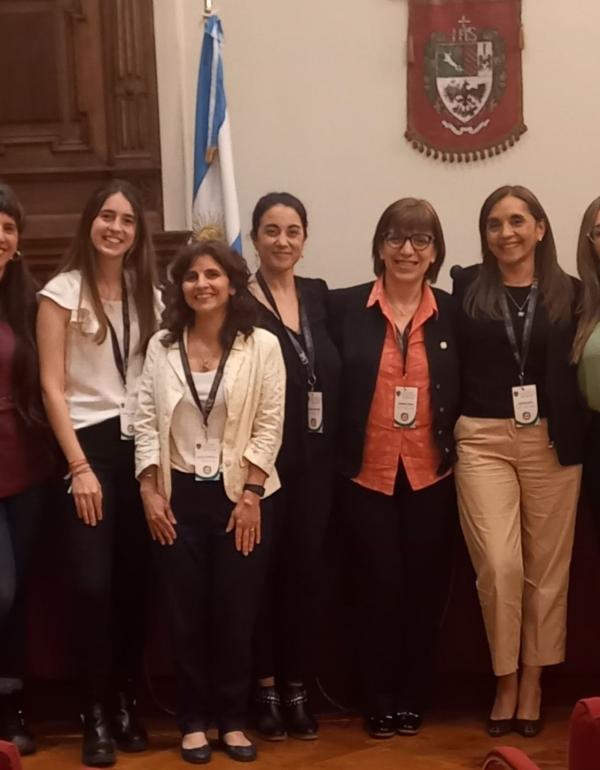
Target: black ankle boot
{"x": 266, "y": 714}
{"x": 98, "y": 748}
{"x": 296, "y": 714}
{"x": 12, "y": 723}
{"x": 126, "y": 729}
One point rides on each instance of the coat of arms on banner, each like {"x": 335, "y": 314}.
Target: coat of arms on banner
{"x": 464, "y": 77}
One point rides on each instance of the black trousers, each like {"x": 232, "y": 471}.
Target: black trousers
{"x": 212, "y": 593}
{"x": 402, "y": 547}
{"x": 110, "y": 565}
{"x": 591, "y": 469}
{"x": 20, "y": 517}
{"x": 301, "y": 510}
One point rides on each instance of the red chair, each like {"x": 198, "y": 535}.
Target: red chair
{"x": 584, "y": 743}
{"x": 9, "y": 756}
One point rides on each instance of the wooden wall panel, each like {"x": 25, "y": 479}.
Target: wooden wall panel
{"x": 79, "y": 106}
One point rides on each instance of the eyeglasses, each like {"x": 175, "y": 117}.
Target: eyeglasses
{"x": 594, "y": 235}
{"x": 419, "y": 241}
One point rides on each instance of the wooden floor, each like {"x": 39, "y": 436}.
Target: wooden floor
{"x": 445, "y": 743}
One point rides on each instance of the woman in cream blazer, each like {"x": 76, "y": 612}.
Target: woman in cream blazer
{"x": 208, "y": 430}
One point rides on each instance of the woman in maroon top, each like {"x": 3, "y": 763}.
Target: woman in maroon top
{"x": 23, "y": 465}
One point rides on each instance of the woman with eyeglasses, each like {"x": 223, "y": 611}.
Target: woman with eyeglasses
{"x": 399, "y": 397}
{"x": 586, "y": 350}
{"x": 519, "y": 446}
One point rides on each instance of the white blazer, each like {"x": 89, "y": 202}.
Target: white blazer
{"x": 254, "y": 384}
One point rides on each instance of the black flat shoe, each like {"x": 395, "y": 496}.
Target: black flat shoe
{"x": 408, "y": 722}
{"x": 13, "y": 727}
{"x": 127, "y": 731}
{"x": 299, "y": 721}
{"x": 528, "y": 728}
{"x": 496, "y": 728}
{"x": 98, "y": 749}
{"x": 380, "y": 726}
{"x": 266, "y": 716}
{"x": 197, "y": 756}
{"x": 238, "y": 753}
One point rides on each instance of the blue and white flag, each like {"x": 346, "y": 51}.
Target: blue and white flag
{"x": 215, "y": 196}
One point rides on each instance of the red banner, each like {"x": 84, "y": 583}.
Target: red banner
{"x": 465, "y": 84}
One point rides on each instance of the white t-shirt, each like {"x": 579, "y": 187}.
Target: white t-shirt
{"x": 94, "y": 390}
{"x": 187, "y": 424}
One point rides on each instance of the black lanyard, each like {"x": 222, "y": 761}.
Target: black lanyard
{"x": 206, "y": 408}
{"x": 520, "y": 355}
{"x": 307, "y": 357}
{"x": 121, "y": 360}
{"x": 402, "y": 340}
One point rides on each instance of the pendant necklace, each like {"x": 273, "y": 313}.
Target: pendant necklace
{"x": 521, "y": 309}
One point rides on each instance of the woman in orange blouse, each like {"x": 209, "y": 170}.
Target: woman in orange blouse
{"x": 399, "y": 402}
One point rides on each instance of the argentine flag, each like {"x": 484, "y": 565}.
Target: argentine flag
{"x": 215, "y": 195}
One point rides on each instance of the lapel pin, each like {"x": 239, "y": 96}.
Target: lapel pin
{"x": 443, "y": 344}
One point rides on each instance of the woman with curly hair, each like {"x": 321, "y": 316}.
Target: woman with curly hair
{"x": 208, "y": 429}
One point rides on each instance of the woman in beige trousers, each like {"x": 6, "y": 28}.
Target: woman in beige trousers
{"x": 519, "y": 445}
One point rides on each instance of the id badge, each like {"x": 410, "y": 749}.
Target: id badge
{"x": 315, "y": 411}
{"x": 405, "y": 407}
{"x": 207, "y": 460}
{"x": 127, "y": 417}
{"x": 525, "y": 405}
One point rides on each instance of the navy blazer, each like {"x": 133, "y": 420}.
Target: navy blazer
{"x": 359, "y": 332}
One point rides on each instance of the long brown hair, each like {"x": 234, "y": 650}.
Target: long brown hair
{"x": 588, "y": 268}
{"x": 18, "y": 308}
{"x": 139, "y": 263}
{"x": 482, "y": 298}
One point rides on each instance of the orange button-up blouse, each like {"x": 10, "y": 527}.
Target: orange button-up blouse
{"x": 386, "y": 445}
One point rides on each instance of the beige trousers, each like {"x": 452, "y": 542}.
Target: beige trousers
{"x": 517, "y": 509}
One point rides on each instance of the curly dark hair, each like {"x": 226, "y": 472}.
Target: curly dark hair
{"x": 241, "y": 309}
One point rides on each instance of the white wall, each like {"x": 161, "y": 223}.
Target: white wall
{"x": 317, "y": 99}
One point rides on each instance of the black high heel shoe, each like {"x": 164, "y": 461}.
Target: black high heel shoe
{"x": 266, "y": 714}
{"x": 98, "y": 749}
{"x": 299, "y": 721}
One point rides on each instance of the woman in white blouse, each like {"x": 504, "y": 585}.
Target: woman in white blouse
{"x": 95, "y": 318}
{"x": 208, "y": 430}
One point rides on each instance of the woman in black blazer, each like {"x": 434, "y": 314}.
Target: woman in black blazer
{"x": 399, "y": 397}
{"x": 296, "y": 310}
{"x": 519, "y": 446}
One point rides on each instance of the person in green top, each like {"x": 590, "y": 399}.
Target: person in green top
{"x": 586, "y": 350}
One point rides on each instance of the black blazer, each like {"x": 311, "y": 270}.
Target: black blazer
{"x": 566, "y": 411}
{"x": 359, "y": 332}
{"x": 296, "y": 443}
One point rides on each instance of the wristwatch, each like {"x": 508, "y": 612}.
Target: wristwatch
{"x": 258, "y": 489}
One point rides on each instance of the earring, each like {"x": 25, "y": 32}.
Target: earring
{"x": 16, "y": 256}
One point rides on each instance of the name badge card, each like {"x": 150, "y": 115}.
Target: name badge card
{"x": 127, "y": 417}
{"x": 525, "y": 405}
{"x": 207, "y": 460}
{"x": 405, "y": 407}
{"x": 315, "y": 411}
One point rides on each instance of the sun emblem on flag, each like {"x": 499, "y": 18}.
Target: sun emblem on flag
{"x": 465, "y": 76}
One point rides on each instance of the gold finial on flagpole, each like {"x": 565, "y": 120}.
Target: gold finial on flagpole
{"x": 208, "y": 8}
